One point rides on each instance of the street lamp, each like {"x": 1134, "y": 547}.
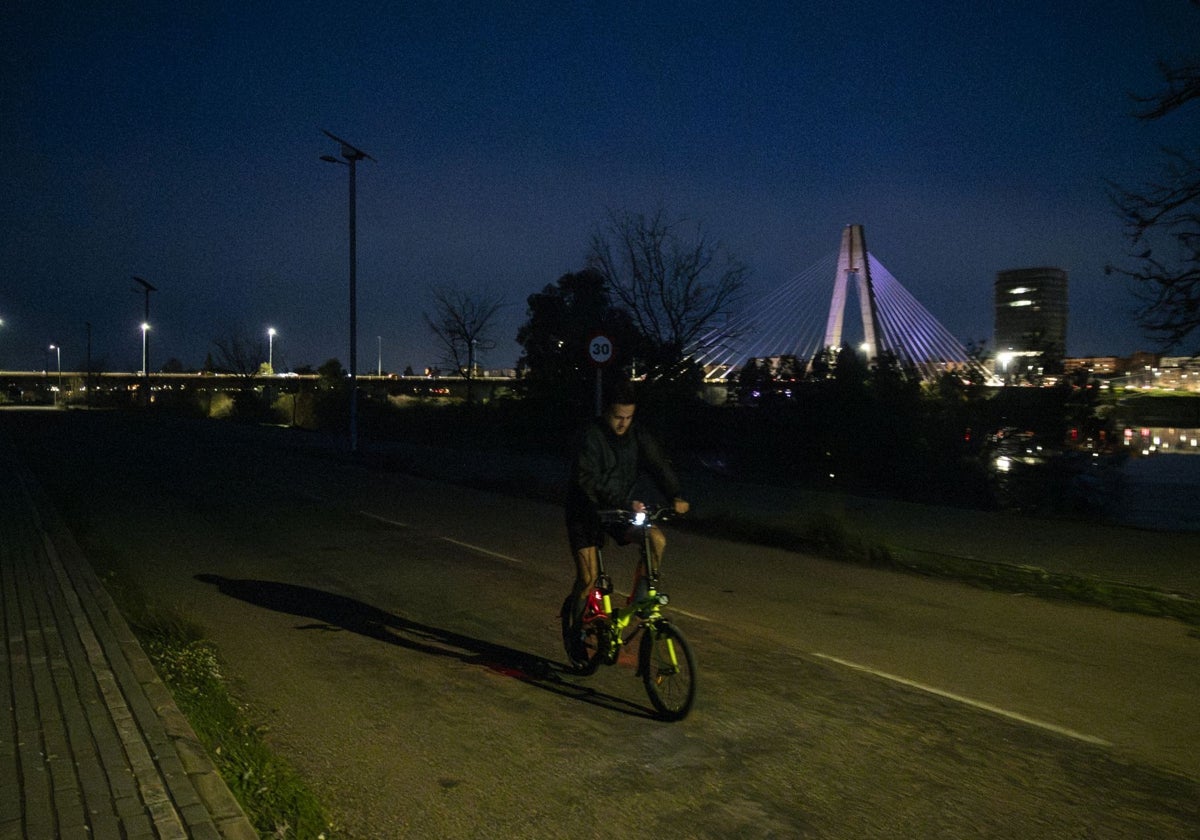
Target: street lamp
{"x": 271, "y": 350}
{"x": 58, "y": 353}
{"x": 147, "y": 288}
{"x": 352, "y": 156}
{"x": 145, "y": 330}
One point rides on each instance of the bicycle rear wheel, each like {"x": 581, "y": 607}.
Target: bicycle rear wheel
{"x": 668, "y": 670}
{"x": 583, "y": 654}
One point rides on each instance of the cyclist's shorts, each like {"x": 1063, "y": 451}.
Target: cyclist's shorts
{"x": 586, "y": 531}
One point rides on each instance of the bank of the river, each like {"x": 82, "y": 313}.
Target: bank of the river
{"x": 1118, "y": 564}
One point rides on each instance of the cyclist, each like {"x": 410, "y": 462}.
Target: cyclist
{"x": 613, "y": 452}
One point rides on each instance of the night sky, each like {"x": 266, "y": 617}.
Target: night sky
{"x": 182, "y": 145}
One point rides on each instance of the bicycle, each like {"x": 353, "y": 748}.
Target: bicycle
{"x": 665, "y": 661}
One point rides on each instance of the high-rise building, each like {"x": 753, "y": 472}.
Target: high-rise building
{"x": 1031, "y": 314}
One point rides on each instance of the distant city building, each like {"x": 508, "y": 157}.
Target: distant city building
{"x": 1142, "y": 360}
{"x": 1169, "y": 373}
{"x": 1096, "y": 365}
{"x": 1031, "y": 315}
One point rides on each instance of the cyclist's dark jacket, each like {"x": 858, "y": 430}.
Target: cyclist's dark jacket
{"x": 607, "y": 467}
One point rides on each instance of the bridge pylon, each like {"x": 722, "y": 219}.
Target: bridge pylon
{"x": 852, "y": 260}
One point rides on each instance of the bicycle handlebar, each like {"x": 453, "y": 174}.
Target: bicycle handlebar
{"x": 637, "y": 518}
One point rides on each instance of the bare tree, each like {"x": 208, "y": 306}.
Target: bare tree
{"x": 1164, "y": 218}
{"x": 462, "y": 322}
{"x": 677, "y": 285}
{"x": 238, "y": 354}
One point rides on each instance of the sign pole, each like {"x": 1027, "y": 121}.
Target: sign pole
{"x": 600, "y": 353}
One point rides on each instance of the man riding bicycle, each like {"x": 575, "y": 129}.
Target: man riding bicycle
{"x": 612, "y": 454}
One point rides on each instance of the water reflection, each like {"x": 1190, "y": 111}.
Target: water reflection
{"x": 1148, "y": 440}
{"x": 1149, "y": 480}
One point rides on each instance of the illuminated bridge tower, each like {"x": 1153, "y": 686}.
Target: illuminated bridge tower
{"x": 788, "y": 321}
{"x": 852, "y": 260}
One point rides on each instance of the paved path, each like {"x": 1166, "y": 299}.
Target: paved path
{"x": 94, "y": 746}
{"x": 99, "y": 749}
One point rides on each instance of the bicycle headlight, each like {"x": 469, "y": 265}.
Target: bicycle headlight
{"x": 639, "y": 518}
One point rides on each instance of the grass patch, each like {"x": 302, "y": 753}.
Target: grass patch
{"x": 1032, "y": 580}
{"x": 825, "y": 535}
{"x": 274, "y": 797}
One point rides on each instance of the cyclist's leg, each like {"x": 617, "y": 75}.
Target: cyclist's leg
{"x": 586, "y": 570}
{"x": 658, "y": 544}
{"x": 584, "y": 536}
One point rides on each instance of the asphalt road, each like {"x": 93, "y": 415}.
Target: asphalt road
{"x": 399, "y": 639}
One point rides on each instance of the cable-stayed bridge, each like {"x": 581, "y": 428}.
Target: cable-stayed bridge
{"x": 795, "y": 320}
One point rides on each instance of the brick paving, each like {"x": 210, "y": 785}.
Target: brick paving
{"x": 93, "y": 745}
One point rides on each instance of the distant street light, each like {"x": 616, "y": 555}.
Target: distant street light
{"x": 147, "y": 288}
{"x": 379, "y": 339}
{"x": 145, "y": 361}
{"x": 352, "y": 156}
{"x": 87, "y": 376}
{"x": 58, "y": 353}
{"x": 271, "y": 349}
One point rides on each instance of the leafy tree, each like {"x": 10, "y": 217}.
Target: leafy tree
{"x": 332, "y": 376}
{"x": 1164, "y": 219}
{"x": 975, "y": 373}
{"x": 676, "y": 286}
{"x": 823, "y": 363}
{"x": 331, "y": 403}
{"x": 561, "y": 319}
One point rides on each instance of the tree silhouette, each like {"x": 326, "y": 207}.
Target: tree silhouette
{"x": 1162, "y": 221}
{"x": 562, "y": 317}
{"x": 462, "y": 322}
{"x": 676, "y": 288}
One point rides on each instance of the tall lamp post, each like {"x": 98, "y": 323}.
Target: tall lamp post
{"x": 352, "y": 156}
{"x": 145, "y": 346}
{"x": 87, "y": 381}
{"x": 58, "y": 353}
{"x": 270, "y": 349}
{"x": 147, "y": 288}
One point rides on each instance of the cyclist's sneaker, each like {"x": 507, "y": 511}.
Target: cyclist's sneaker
{"x": 573, "y": 641}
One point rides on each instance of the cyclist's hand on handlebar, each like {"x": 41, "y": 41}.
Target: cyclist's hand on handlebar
{"x": 680, "y": 506}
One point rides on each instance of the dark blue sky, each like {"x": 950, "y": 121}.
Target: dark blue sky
{"x": 182, "y": 145}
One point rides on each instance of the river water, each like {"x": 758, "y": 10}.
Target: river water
{"x": 1159, "y": 492}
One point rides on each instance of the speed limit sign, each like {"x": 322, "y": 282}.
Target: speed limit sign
{"x": 600, "y": 350}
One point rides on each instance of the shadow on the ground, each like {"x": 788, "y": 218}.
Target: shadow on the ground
{"x": 337, "y": 612}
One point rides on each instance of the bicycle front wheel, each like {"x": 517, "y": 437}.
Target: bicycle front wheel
{"x": 668, "y": 670}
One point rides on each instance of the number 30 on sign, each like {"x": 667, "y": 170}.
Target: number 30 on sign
{"x": 600, "y": 350}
